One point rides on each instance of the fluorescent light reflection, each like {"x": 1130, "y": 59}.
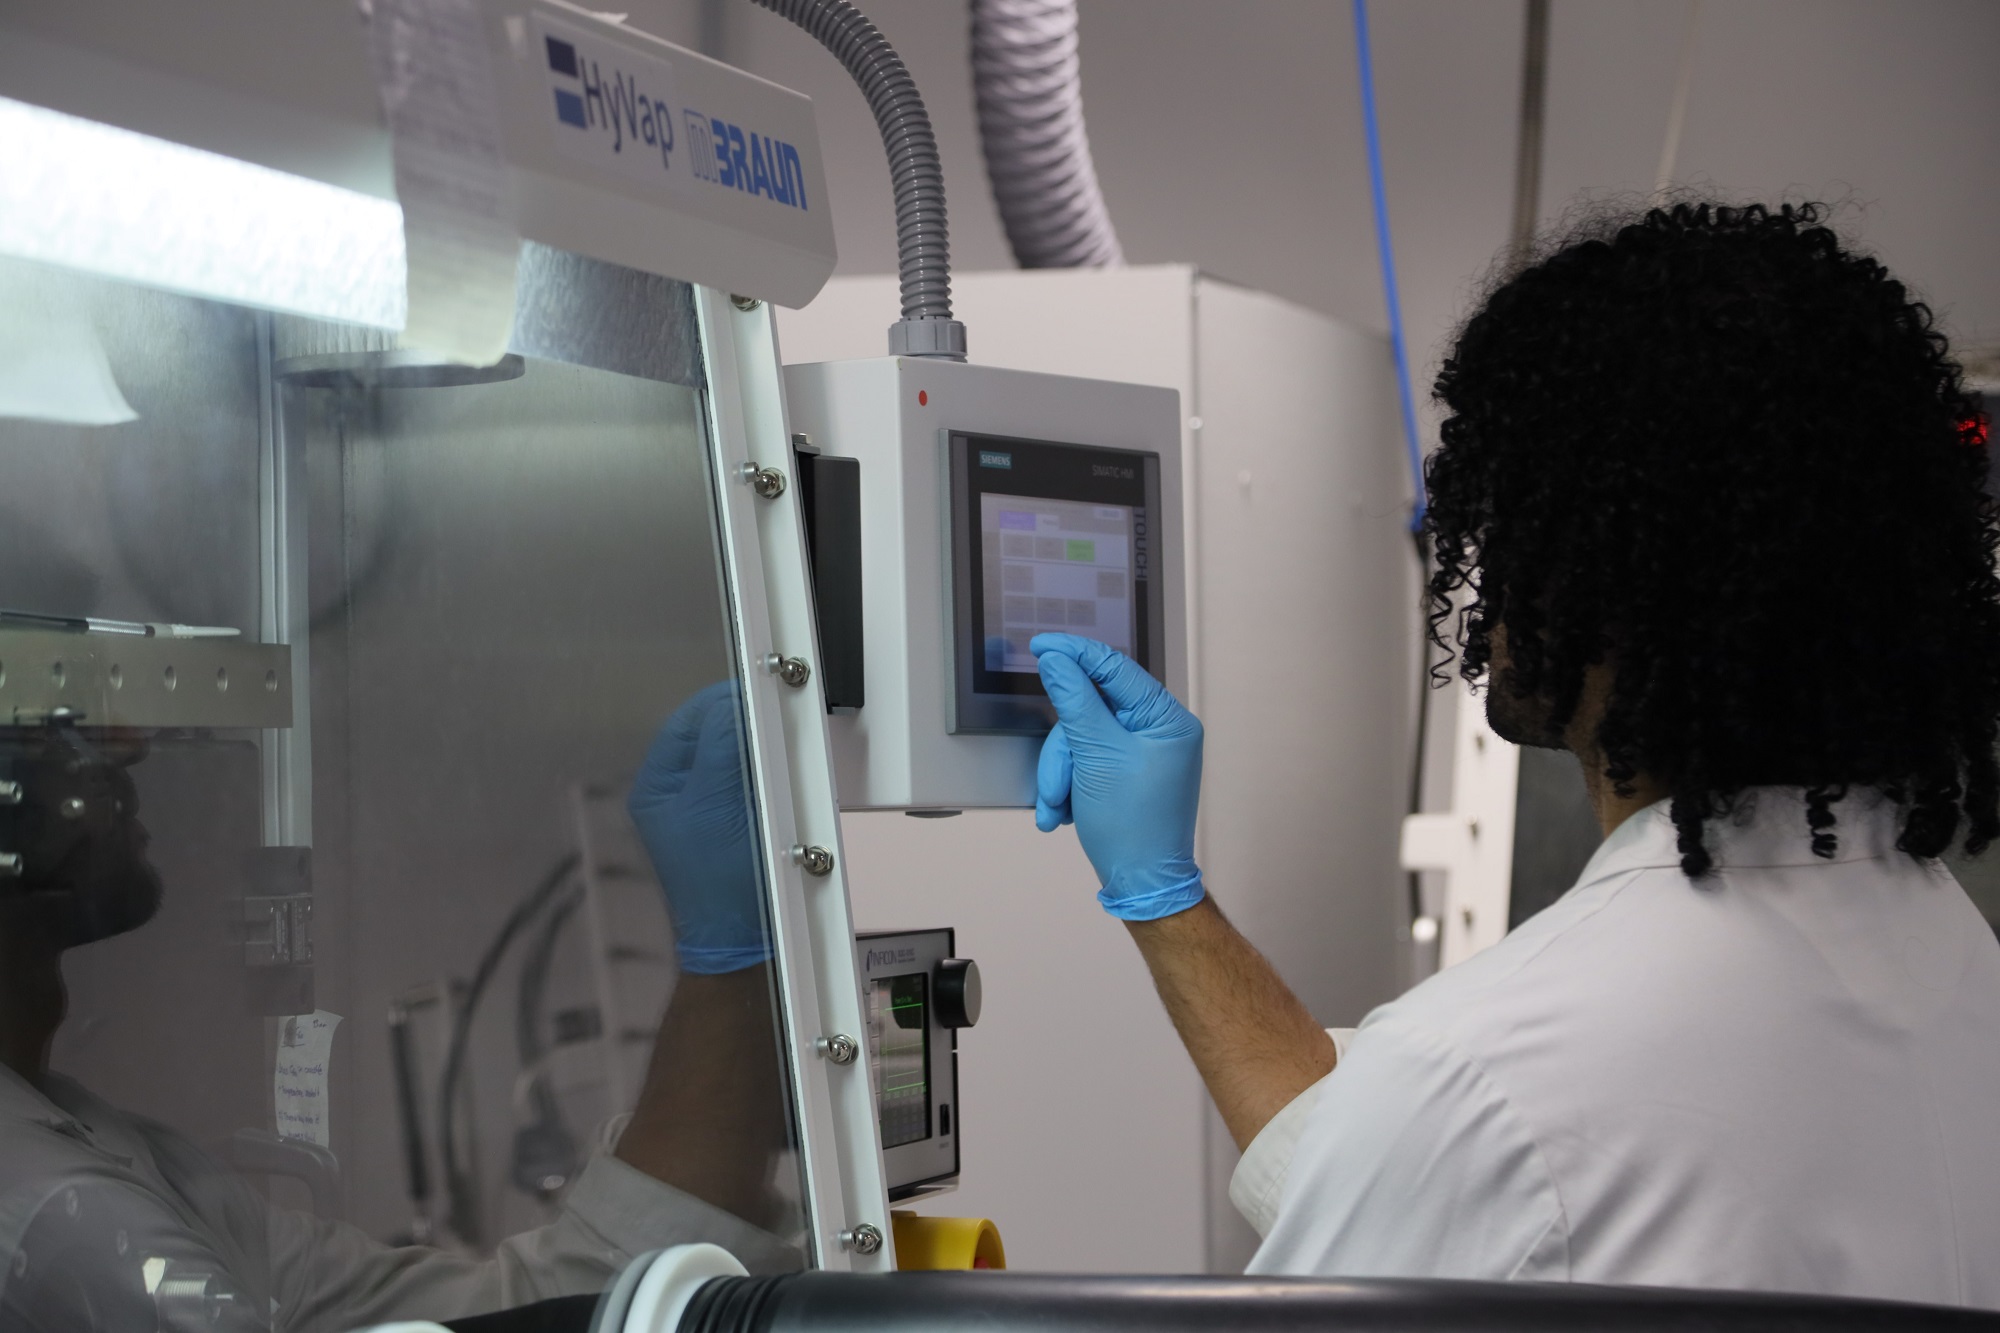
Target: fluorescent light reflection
{"x": 129, "y": 206}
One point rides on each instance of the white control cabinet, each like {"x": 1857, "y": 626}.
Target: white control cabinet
{"x": 1087, "y": 1136}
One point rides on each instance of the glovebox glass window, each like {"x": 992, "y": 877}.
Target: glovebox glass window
{"x": 369, "y": 848}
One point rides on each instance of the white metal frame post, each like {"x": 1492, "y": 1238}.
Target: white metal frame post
{"x": 770, "y": 587}
{"x": 1473, "y": 842}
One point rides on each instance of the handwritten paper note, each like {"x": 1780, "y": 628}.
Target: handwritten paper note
{"x": 305, "y": 1053}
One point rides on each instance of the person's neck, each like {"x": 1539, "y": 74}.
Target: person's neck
{"x": 1580, "y": 739}
{"x": 1606, "y": 802}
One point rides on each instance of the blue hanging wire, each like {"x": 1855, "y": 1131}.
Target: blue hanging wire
{"x": 1386, "y": 249}
{"x": 1387, "y": 252}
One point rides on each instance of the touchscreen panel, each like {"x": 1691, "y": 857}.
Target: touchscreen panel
{"x": 1053, "y": 565}
{"x": 1046, "y": 537}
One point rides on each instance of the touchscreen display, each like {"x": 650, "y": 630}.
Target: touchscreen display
{"x": 899, "y": 1056}
{"x": 1053, "y": 565}
{"x": 1046, "y": 537}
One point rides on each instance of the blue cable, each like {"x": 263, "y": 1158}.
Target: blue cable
{"x": 1387, "y": 251}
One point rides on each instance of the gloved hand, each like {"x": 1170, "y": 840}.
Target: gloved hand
{"x": 1124, "y": 762}
{"x": 691, "y": 804}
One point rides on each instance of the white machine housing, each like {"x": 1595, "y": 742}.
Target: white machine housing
{"x": 290, "y": 87}
{"x": 895, "y": 414}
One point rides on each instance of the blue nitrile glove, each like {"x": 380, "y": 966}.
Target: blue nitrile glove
{"x": 691, "y": 804}
{"x": 1129, "y": 778}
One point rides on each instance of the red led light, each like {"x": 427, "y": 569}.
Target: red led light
{"x": 1975, "y": 430}
{"x": 923, "y": 398}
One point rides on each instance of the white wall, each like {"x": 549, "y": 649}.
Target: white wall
{"x": 1228, "y": 132}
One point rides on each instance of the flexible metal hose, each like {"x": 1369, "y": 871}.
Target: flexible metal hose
{"x": 923, "y": 249}
{"x": 1028, "y": 83}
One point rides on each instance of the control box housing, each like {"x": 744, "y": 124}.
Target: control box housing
{"x": 954, "y": 716}
{"x": 916, "y": 996}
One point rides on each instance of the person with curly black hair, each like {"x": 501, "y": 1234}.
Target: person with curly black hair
{"x": 1716, "y": 483}
{"x": 1708, "y": 511}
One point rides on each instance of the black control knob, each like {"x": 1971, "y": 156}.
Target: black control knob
{"x": 955, "y": 992}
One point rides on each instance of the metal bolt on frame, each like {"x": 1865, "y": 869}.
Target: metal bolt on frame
{"x": 840, "y": 1048}
{"x": 768, "y": 482}
{"x": 864, "y": 1238}
{"x": 794, "y": 671}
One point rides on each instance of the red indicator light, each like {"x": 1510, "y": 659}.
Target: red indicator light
{"x": 1975, "y": 430}
{"x": 923, "y": 398}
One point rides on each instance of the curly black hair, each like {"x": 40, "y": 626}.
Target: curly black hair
{"x": 1733, "y": 458}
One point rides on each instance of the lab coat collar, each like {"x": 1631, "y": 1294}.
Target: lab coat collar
{"x": 1767, "y": 829}
{"x": 21, "y": 1101}
{"x": 63, "y": 1108}
{"x": 67, "y": 1107}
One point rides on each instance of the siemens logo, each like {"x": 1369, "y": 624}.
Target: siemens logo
{"x": 628, "y": 108}
{"x": 727, "y": 155}
{"x": 994, "y": 458}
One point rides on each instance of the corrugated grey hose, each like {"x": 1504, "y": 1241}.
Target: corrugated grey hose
{"x": 923, "y": 250}
{"x": 1028, "y": 82}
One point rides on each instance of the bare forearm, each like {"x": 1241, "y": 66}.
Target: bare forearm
{"x": 712, "y": 1111}
{"x": 1253, "y": 1042}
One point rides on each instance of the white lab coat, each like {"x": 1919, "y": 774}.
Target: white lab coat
{"x": 1785, "y": 1077}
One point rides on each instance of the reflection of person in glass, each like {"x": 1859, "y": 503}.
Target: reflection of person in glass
{"x": 111, "y": 1221}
